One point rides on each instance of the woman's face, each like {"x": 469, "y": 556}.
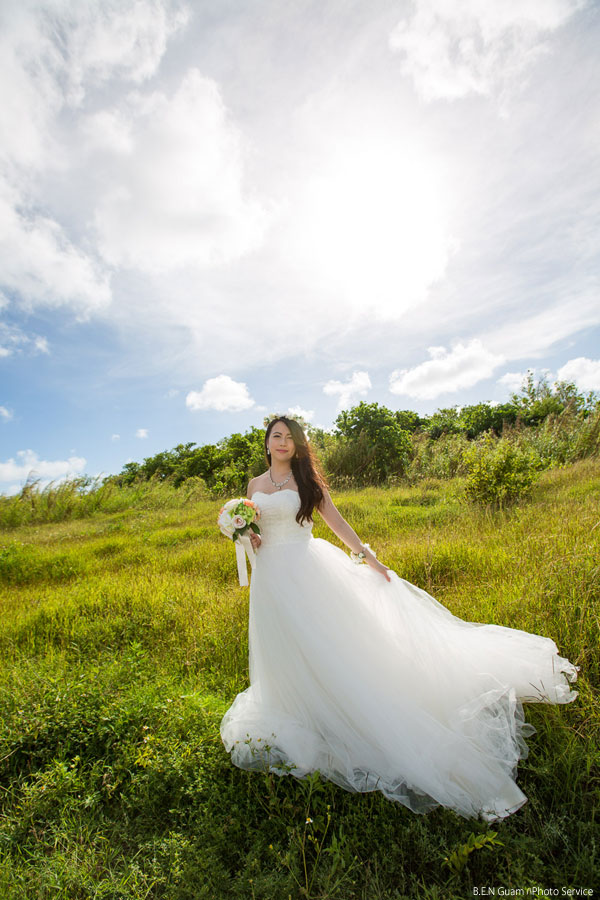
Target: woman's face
{"x": 281, "y": 443}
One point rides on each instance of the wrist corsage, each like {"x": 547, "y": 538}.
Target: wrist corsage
{"x": 360, "y": 557}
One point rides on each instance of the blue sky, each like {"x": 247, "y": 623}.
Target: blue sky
{"x": 213, "y": 211}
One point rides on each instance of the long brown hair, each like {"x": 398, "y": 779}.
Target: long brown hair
{"x": 305, "y": 468}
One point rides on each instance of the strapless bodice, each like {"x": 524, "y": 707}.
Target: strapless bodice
{"x": 277, "y": 521}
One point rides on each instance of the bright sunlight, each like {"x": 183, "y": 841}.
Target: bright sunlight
{"x": 371, "y": 225}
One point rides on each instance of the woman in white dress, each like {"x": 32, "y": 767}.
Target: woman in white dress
{"x": 365, "y": 677}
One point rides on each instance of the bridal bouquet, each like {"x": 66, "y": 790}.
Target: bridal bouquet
{"x": 236, "y": 518}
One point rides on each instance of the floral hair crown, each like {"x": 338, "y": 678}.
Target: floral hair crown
{"x": 299, "y": 419}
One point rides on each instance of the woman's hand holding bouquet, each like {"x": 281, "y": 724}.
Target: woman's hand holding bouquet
{"x": 237, "y": 520}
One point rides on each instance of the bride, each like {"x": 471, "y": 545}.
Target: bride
{"x": 365, "y": 677}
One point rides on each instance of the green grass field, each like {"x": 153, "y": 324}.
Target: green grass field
{"x": 124, "y": 640}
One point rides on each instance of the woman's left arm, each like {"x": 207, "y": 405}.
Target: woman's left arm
{"x": 331, "y": 515}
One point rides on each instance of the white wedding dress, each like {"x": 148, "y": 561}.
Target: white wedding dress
{"x": 379, "y": 686}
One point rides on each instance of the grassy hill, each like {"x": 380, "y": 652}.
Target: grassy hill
{"x": 124, "y": 640}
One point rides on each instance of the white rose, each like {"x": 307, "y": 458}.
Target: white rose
{"x": 238, "y": 521}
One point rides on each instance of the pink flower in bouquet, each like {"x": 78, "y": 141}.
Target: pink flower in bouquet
{"x": 236, "y": 519}
{"x": 237, "y": 516}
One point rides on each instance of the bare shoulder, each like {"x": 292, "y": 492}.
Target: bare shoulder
{"x": 326, "y": 503}
{"x": 255, "y": 484}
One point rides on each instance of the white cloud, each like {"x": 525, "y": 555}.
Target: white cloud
{"x": 376, "y": 184}
{"x": 30, "y": 95}
{"x": 29, "y": 464}
{"x": 107, "y": 131}
{"x": 115, "y": 437}
{"x": 348, "y": 391}
{"x": 39, "y": 262}
{"x": 462, "y": 367}
{"x": 15, "y": 340}
{"x": 453, "y": 48}
{"x": 51, "y": 54}
{"x": 176, "y": 192}
{"x": 584, "y": 372}
{"x": 110, "y": 39}
{"x": 531, "y": 336}
{"x": 307, "y": 414}
{"x": 5, "y": 414}
{"x": 141, "y": 433}
{"x": 221, "y": 393}
{"x": 41, "y": 344}
{"x": 512, "y": 380}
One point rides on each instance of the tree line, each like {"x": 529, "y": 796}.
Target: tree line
{"x": 371, "y": 444}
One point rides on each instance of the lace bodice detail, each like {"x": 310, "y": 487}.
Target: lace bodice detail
{"x": 277, "y": 521}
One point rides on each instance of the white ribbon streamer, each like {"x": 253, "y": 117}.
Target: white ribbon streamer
{"x": 243, "y": 547}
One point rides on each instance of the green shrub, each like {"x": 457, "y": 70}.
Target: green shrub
{"x": 498, "y": 472}
{"x": 371, "y": 446}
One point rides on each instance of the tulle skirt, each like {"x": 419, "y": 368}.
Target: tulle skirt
{"x": 379, "y": 687}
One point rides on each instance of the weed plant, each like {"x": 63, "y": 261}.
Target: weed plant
{"x": 124, "y": 639}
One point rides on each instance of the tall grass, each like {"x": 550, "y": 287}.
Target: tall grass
{"x": 124, "y": 640}
{"x": 81, "y": 497}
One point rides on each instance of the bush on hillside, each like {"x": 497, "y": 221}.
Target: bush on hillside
{"x": 371, "y": 418}
{"x": 498, "y": 472}
{"x": 470, "y": 420}
{"x": 371, "y": 446}
{"x": 538, "y": 400}
{"x": 482, "y": 417}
